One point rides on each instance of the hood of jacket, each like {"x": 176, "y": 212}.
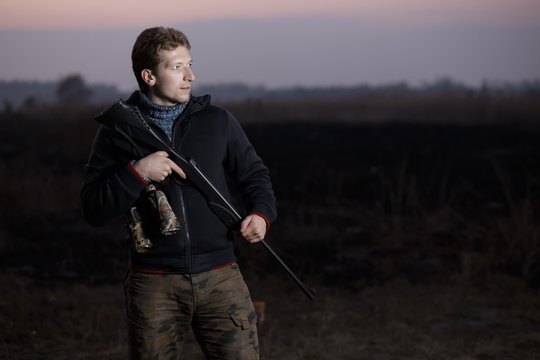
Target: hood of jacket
{"x": 127, "y": 112}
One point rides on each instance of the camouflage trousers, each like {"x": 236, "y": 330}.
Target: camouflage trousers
{"x": 216, "y": 304}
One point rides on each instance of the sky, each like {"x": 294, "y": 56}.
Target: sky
{"x": 38, "y": 14}
{"x": 279, "y": 43}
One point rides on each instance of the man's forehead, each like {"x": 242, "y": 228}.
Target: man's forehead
{"x": 175, "y": 54}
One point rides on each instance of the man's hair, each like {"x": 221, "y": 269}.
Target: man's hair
{"x": 145, "y": 53}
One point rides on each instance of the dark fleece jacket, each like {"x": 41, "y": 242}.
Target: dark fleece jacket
{"x": 215, "y": 140}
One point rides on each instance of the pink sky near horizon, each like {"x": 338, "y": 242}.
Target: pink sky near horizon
{"x": 373, "y": 41}
{"x": 67, "y": 14}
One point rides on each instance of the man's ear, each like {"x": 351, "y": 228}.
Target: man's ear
{"x": 148, "y": 77}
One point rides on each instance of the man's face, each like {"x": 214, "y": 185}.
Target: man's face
{"x": 170, "y": 83}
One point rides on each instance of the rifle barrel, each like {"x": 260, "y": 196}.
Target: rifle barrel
{"x": 306, "y": 289}
{"x": 122, "y": 112}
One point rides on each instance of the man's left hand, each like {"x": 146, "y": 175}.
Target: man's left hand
{"x": 253, "y": 228}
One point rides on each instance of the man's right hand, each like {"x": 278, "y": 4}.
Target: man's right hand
{"x": 157, "y": 166}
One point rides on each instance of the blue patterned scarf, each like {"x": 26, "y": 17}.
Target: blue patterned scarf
{"x": 161, "y": 115}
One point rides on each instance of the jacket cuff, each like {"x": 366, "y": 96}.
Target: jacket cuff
{"x": 264, "y": 218}
{"x": 143, "y": 179}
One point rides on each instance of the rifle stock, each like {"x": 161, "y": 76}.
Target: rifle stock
{"x": 121, "y": 112}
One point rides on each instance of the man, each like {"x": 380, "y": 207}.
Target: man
{"x": 188, "y": 278}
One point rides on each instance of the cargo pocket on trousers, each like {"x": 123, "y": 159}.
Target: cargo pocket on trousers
{"x": 242, "y": 322}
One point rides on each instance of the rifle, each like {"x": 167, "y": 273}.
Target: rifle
{"x": 121, "y": 112}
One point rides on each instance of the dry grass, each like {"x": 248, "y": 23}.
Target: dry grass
{"x": 419, "y": 246}
{"x": 450, "y": 108}
{"x": 499, "y": 319}
{"x": 56, "y": 320}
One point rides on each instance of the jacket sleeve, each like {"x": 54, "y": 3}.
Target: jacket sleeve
{"x": 248, "y": 172}
{"x": 109, "y": 185}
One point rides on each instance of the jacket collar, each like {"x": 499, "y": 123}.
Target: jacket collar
{"x": 195, "y": 103}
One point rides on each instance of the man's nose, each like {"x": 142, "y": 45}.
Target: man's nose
{"x": 188, "y": 74}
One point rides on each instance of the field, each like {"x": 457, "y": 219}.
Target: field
{"x": 414, "y": 218}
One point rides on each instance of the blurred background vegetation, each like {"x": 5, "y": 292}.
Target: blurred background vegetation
{"x": 437, "y": 185}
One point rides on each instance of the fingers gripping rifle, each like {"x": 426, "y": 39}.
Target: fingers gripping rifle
{"x": 120, "y": 112}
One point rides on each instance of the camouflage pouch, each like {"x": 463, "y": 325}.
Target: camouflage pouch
{"x": 140, "y": 241}
{"x": 168, "y": 222}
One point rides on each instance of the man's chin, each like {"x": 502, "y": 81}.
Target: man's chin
{"x": 183, "y": 98}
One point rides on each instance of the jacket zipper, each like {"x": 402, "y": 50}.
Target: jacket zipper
{"x": 189, "y": 258}
{"x": 180, "y": 122}
{"x": 188, "y": 250}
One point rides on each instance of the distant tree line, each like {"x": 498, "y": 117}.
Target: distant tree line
{"x": 74, "y": 89}
{"x": 443, "y": 86}
{"x": 69, "y": 89}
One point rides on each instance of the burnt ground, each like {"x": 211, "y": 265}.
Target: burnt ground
{"x": 421, "y": 241}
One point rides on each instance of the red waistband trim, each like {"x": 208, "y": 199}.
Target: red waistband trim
{"x": 223, "y": 266}
{"x": 163, "y": 272}
{"x": 147, "y": 271}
